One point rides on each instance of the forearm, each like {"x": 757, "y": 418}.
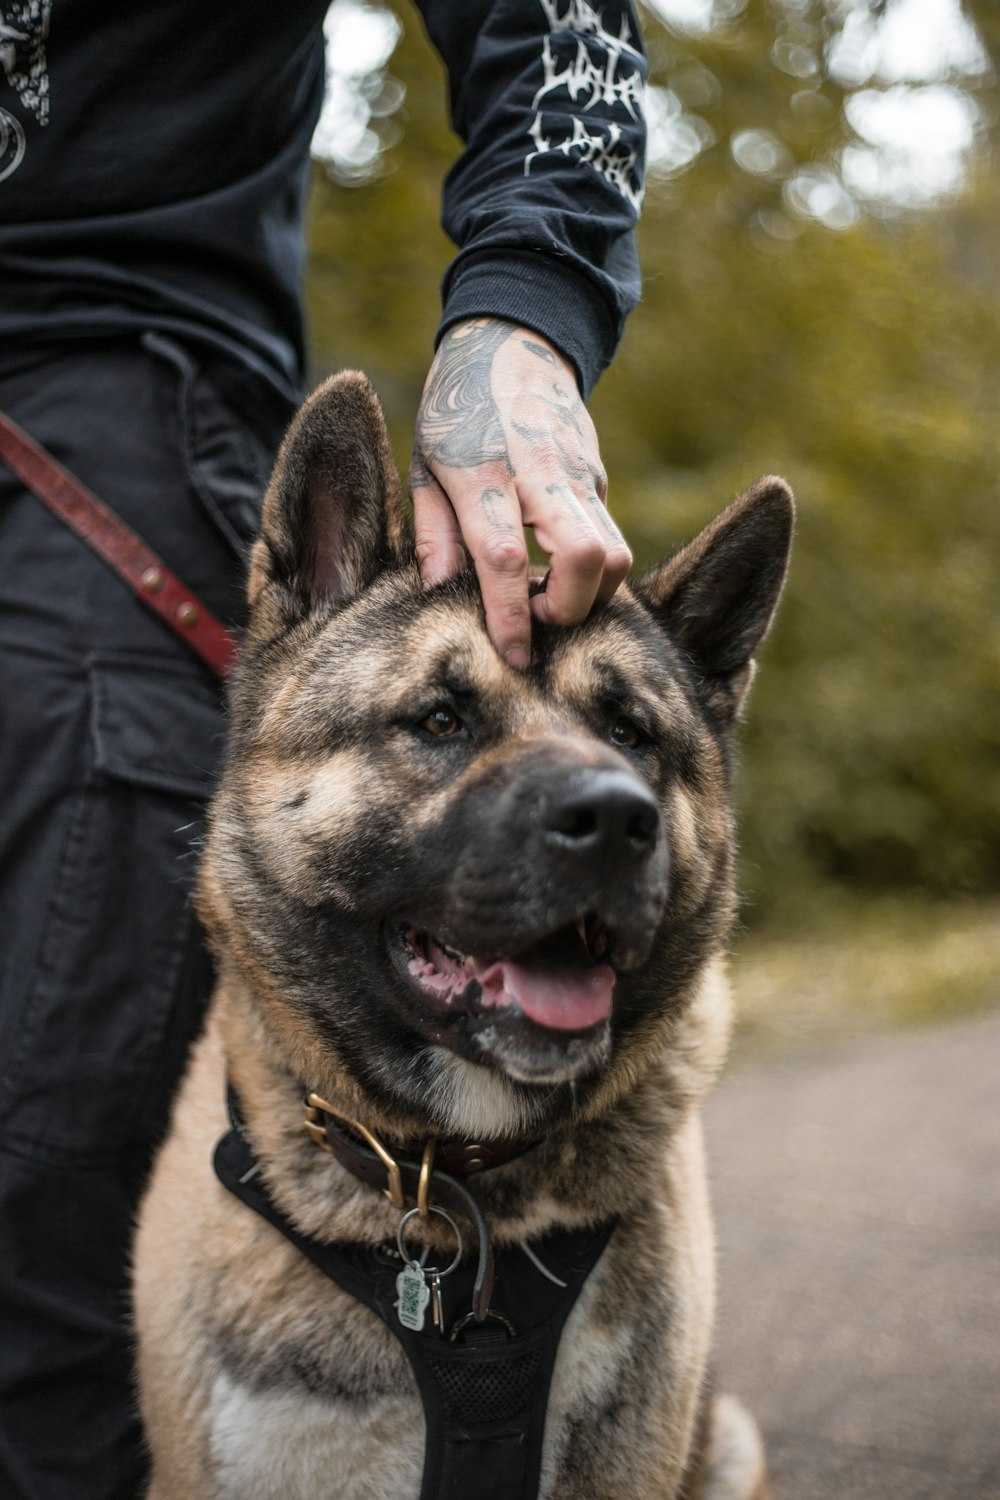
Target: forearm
{"x": 546, "y": 95}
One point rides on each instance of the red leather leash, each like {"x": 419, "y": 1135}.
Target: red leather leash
{"x": 116, "y": 544}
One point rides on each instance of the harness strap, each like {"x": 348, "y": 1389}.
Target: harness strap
{"x": 484, "y": 1387}
{"x": 116, "y": 544}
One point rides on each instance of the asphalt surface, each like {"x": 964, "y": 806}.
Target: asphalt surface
{"x": 858, "y": 1208}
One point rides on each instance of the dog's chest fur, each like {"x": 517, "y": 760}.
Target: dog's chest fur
{"x": 277, "y": 1444}
{"x": 286, "y": 1440}
{"x": 287, "y": 1380}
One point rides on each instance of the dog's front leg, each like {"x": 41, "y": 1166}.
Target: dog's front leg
{"x": 626, "y": 1393}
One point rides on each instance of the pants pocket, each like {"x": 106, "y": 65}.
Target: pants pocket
{"x": 121, "y": 980}
{"x": 228, "y": 442}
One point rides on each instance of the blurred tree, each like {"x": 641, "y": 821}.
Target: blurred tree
{"x": 376, "y": 249}
{"x": 793, "y": 321}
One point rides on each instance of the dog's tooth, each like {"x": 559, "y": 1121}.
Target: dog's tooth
{"x": 581, "y": 927}
{"x": 598, "y": 937}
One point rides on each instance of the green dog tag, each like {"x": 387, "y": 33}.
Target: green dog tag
{"x": 413, "y": 1294}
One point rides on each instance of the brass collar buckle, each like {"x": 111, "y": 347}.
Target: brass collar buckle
{"x": 317, "y": 1106}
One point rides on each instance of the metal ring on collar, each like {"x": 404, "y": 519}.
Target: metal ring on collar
{"x": 431, "y": 1208}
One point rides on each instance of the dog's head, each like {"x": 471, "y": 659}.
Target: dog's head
{"x": 461, "y": 887}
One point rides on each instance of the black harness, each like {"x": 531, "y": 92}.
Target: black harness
{"x": 484, "y": 1382}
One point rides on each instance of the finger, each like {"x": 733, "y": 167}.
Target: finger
{"x": 577, "y": 556}
{"x": 618, "y": 557}
{"x": 439, "y": 549}
{"x": 490, "y": 519}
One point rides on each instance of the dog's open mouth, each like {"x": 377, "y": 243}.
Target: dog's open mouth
{"x": 559, "y": 983}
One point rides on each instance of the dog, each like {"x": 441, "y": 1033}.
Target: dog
{"x": 473, "y": 910}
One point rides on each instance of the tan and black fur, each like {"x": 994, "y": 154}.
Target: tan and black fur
{"x": 387, "y": 773}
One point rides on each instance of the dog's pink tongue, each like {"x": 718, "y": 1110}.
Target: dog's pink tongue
{"x": 563, "y": 999}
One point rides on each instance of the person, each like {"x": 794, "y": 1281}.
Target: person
{"x": 153, "y": 168}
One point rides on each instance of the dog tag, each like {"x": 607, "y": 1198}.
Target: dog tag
{"x": 413, "y": 1294}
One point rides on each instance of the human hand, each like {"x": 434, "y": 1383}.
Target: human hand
{"x": 504, "y": 441}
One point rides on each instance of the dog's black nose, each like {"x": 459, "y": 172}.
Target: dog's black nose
{"x": 604, "y": 815}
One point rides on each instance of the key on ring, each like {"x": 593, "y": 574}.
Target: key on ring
{"x": 437, "y": 1314}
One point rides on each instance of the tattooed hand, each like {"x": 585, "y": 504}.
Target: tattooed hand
{"x": 503, "y": 441}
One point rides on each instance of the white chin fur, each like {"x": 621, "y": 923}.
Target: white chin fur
{"x": 472, "y": 1101}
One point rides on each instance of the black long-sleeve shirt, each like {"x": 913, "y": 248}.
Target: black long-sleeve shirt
{"x": 153, "y": 169}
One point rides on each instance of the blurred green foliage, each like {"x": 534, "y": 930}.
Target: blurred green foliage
{"x": 861, "y": 362}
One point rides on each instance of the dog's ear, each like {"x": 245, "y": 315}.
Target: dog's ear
{"x": 717, "y": 596}
{"x": 333, "y": 516}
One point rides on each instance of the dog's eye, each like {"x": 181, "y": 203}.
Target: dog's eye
{"x": 625, "y": 734}
{"x": 442, "y": 722}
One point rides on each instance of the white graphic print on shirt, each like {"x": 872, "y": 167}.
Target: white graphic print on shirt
{"x": 24, "y": 29}
{"x": 604, "y": 69}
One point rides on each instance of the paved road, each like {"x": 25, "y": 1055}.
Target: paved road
{"x": 858, "y": 1203}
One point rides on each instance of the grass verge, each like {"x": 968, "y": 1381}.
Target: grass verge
{"x": 859, "y": 968}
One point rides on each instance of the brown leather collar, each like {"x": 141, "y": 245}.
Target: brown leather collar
{"x": 412, "y": 1173}
{"x": 337, "y": 1132}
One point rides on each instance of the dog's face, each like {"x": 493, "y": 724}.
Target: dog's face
{"x": 480, "y": 892}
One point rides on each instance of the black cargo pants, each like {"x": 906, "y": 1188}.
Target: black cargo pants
{"x": 110, "y": 733}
